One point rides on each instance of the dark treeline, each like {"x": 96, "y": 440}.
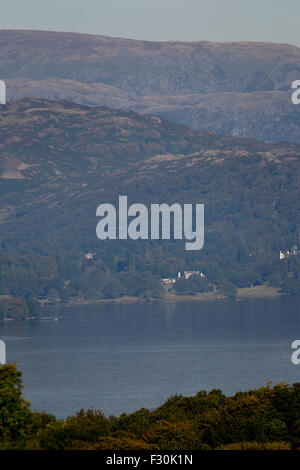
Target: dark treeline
{"x": 264, "y": 419}
{"x": 28, "y": 278}
{"x": 19, "y": 309}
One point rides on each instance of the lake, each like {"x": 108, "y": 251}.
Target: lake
{"x": 120, "y": 357}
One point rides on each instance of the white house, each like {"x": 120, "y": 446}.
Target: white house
{"x": 167, "y": 280}
{"x": 90, "y": 256}
{"x": 188, "y": 274}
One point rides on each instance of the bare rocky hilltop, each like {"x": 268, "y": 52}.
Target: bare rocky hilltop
{"x": 238, "y": 88}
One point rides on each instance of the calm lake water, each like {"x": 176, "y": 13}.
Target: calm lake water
{"x": 120, "y": 357}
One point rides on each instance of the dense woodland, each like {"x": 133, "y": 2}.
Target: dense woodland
{"x": 264, "y": 419}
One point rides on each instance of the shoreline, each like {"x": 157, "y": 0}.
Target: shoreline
{"x": 257, "y": 292}
{"x": 262, "y": 292}
{"x": 243, "y": 293}
{"x": 168, "y": 298}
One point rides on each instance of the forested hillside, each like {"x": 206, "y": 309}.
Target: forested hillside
{"x": 59, "y": 161}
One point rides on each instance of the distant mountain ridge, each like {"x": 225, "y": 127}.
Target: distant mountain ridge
{"x": 240, "y": 88}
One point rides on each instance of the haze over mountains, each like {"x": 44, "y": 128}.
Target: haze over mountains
{"x": 239, "y": 88}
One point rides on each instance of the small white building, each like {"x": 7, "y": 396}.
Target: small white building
{"x": 90, "y": 256}
{"x": 168, "y": 280}
{"x": 188, "y": 274}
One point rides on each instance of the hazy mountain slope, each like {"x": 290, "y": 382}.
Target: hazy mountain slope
{"x": 241, "y": 88}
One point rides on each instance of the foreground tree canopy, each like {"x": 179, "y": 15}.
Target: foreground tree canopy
{"x": 264, "y": 419}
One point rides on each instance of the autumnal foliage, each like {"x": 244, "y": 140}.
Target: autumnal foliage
{"x": 264, "y": 419}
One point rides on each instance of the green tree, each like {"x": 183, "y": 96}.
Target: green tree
{"x": 15, "y": 414}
